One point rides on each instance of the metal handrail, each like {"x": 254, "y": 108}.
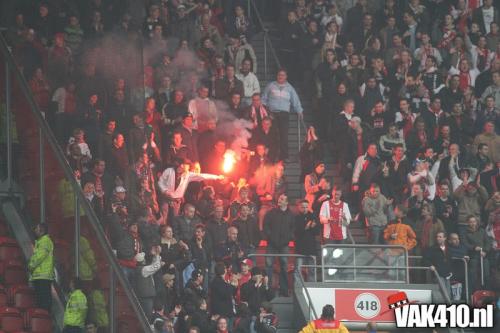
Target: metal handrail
{"x": 349, "y": 235}
{"x": 466, "y": 273}
{"x": 440, "y": 283}
{"x": 267, "y": 41}
{"x": 289, "y": 255}
{"x": 309, "y": 299}
{"x": 59, "y": 155}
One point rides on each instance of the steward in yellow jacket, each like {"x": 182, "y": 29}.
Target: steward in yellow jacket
{"x": 41, "y": 267}
{"x": 326, "y": 324}
{"x": 76, "y": 309}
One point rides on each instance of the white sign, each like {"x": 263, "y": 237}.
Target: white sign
{"x": 367, "y": 305}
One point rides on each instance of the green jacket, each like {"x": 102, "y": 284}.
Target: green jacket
{"x": 98, "y": 312}
{"x": 76, "y": 309}
{"x": 67, "y": 199}
{"x": 88, "y": 265}
{"x": 41, "y": 265}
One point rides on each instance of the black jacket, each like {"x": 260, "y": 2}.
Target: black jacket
{"x": 439, "y": 259}
{"x": 305, "y": 240}
{"x": 255, "y": 296}
{"x": 248, "y": 232}
{"x": 221, "y": 297}
{"x": 278, "y": 227}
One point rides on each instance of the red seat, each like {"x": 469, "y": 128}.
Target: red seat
{"x": 15, "y": 273}
{"x": 479, "y": 296}
{"x": 22, "y": 297}
{"x": 4, "y": 299}
{"x": 11, "y": 319}
{"x": 38, "y": 321}
{"x": 9, "y": 249}
{"x": 4, "y": 230}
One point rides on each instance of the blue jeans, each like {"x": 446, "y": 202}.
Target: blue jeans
{"x": 129, "y": 273}
{"x": 377, "y": 234}
{"x": 283, "y": 261}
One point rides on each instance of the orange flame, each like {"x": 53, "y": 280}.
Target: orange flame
{"x": 229, "y": 161}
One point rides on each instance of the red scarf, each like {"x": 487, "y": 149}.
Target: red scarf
{"x": 465, "y": 80}
{"x": 360, "y": 147}
{"x": 336, "y": 215}
{"x": 482, "y": 58}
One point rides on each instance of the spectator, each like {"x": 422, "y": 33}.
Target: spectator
{"x": 248, "y": 230}
{"x": 251, "y": 85}
{"x": 439, "y": 260}
{"x": 490, "y": 138}
{"x": 366, "y": 169}
{"x": 470, "y": 198}
{"x": 399, "y": 233}
{"x": 201, "y": 252}
{"x": 375, "y": 207}
{"x": 222, "y": 292}
{"x": 227, "y": 86}
{"x": 202, "y": 109}
{"x": 306, "y": 228}
{"x": 280, "y": 105}
{"x": 267, "y": 136}
{"x": 311, "y": 182}
{"x": 268, "y": 320}
{"x": 335, "y": 217}
{"x": 174, "y": 181}
{"x": 256, "y": 291}
{"x": 310, "y": 152}
{"x": 278, "y": 231}
{"x": 256, "y": 112}
{"x": 446, "y": 208}
{"x": 201, "y": 318}
{"x": 479, "y": 245}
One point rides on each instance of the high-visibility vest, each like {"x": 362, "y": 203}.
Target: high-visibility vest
{"x": 41, "y": 264}
{"x": 76, "y": 309}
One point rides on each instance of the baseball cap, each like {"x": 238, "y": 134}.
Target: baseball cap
{"x": 247, "y": 262}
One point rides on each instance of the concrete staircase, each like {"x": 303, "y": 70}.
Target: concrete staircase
{"x": 292, "y": 167}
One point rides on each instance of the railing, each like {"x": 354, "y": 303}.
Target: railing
{"x": 268, "y": 45}
{"x": 466, "y": 273}
{"x": 46, "y": 139}
{"x": 286, "y": 255}
{"x": 442, "y": 288}
{"x": 308, "y": 296}
{"x": 330, "y": 249}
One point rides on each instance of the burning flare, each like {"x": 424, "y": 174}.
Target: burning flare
{"x": 229, "y": 161}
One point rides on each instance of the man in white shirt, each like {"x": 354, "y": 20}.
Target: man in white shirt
{"x": 250, "y": 81}
{"x": 335, "y": 217}
{"x": 203, "y": 109}
{"x": 174, "y": 181}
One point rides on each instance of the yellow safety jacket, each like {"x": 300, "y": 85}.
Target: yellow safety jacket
{"x": 76, "y": 309}
{"x": 41, "y": 264}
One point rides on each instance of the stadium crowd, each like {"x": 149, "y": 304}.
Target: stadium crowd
{"x": 182, "y": 153}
